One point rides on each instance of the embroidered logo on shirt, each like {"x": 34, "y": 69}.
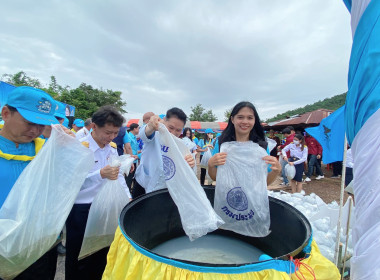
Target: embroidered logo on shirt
{"x": 169, "y": 167}
{"x": 44, "y": 106}
{"x": 237, "y": 199}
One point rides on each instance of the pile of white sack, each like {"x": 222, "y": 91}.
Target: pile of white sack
{"x": 319, "y": 214}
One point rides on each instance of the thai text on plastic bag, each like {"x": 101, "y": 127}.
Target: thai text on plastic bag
{"x": 290, "y": 171}
{"x": 40, "y": 201}
{"x": 241, "y": 197}
{"x": 197, "y": 215}
{"x": 105, "y": 210}
{"x": 205, "y": 158}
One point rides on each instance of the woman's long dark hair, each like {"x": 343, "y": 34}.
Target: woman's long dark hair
{"x": 184, "y": 133}
{"x": 256, "y": 135}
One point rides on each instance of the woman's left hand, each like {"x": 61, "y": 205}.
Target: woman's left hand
{"x": 275, "y": 164}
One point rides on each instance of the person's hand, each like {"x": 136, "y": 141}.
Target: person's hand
{"x": 135, "y": 157}
{"x": 153, "y": 123}
{"x": 291, "y": 163}
{"x": 285, "y": 158}
{"x": 318, "y": 156}
{"x": 217, "y": 159}
{"x": 275, "y": 164}
{"x": 109, "y": 172}
{"x": 132, "y": 168}
{"x": 190, "y": 160}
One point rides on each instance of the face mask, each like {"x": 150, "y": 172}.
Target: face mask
{"x": 296, "y": 142}
{"x": 210, "y": 136}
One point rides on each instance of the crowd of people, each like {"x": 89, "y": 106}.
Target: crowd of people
{"x": 29, "y": 114}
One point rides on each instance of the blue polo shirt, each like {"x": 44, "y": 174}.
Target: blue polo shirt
{"x": 10, "y": 170}
{"x": 134, "y": 145}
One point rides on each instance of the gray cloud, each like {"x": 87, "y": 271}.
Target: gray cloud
{"x": 278, "y": 54}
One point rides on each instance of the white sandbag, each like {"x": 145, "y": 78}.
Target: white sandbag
{"x": 206, "y": 156}
{"x": 197, "y": 215}
{"x": 241, "y": 197}
{"x": 40, "y": 201}
{"x": 271, "y": 143}
{"x": 186, "y": 146}
{"x": 290, "y": 171}
{"x": 105, "y": 210}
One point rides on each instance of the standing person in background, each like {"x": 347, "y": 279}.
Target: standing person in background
{"x": 337, "y": 169}
{"x": 122, "y": 142}
{"x": 188, "y": 139}
{"x": 147, "y": 116}
{"x": 134, "y": 130}
{"x": 298, "y": 155}
{"x": 107, "y": 122}
{"x": 77, "y": 125}
{"x": 288, "y": 140}
{"x": 195, "y": 139}
{"x": 314, "y": 153}
{"x": 85, "y": 130}
{"x": 27, "y": 112}
{"x": 203, "y": 145}
{"x": 273, "y": 136}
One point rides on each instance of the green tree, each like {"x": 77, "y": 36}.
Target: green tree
{"x": 198, "y": 113}
{"x": 87, "y": 99}
{"x": 21, "y": 79}
{"x": 227, "y": 115}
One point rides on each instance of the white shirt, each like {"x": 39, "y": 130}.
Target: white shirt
{"x": 83, "y": 132}
{"x": 349, "y": 159}
{"x": 295, "y": 151}
{"x": 150, "y": 172}
{"x": 94, "y": 181}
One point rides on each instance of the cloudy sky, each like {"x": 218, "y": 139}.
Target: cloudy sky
{"x": 278, "y": 54}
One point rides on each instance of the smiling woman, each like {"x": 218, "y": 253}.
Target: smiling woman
{"x": 243, "y": 126}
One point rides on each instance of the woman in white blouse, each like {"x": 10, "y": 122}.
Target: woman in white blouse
{"x": 298, "y": 155}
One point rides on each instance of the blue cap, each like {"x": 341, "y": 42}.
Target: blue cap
{"x": 209, "y": 130}
{"x": 60, "y": 110}
{"x": 162, "y": 116}
{"x": 33, "y": 104}
{"x": 79, "y": 123}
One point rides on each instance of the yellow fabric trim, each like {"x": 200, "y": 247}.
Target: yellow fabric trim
{"x": 38, "y": 143}
{"x": 113, "y": 145}
{"x": 86, "y": 144}
{"x": 125, "y": 262}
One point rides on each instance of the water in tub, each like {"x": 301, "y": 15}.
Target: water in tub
{"x": 210, "y": 248}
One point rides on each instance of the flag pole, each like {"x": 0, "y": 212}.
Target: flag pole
{"x": 338, "y": 227}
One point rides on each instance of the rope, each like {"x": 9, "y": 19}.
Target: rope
{"x": 297, "y": 272}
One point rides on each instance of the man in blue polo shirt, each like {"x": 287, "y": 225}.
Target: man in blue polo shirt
{"x": 25, "y": 115}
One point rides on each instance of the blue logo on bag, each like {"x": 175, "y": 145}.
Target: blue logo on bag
{"x": 237, "y": 199}
{"x": 44, "y": 106}
{"x": 169, "y": 167}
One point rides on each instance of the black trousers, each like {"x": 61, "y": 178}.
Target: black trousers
{"x": 129, "y": 178}
{"x": 42, "y": 269}
{"x": 91, "y": 267}
{"x": 203, "y": 173}
{"x": 337, "y": 168}
{"x": 137, "y": 189}
{"x": 349, "y": 175}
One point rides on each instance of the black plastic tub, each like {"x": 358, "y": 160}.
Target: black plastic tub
{"x": 153, "y": 219}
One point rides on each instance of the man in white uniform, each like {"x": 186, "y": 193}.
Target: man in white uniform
{"x": 107, "y": 122}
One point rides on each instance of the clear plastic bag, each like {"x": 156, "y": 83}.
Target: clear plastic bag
{"x": 105, "y": 211}
{"x": 40, "y": 201}
{"x": 241, "y": 197}
{"x": 290, "y": 171}
{"x": 197, "y": 215}
{"x": 206, "y": 157}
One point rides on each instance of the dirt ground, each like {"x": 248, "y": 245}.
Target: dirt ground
{"x": 328, "y": 189}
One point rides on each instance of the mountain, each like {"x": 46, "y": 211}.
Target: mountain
{"x": 331, "y": 103}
